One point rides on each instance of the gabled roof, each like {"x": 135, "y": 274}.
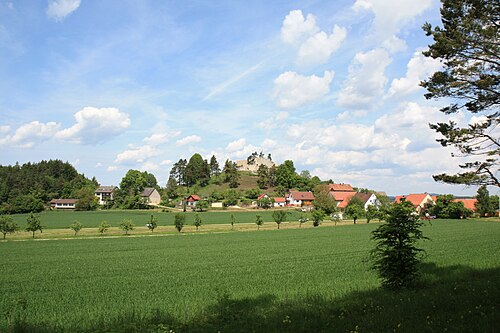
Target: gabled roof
{"x": 298, "y": 195}
{"x": 341, "y": 196}
{"x": 279, "y": 200}
{"x": 468, "y": 203}
{"x": 415, "y": 199}
{"x": 341, "y": 187}
{"x": 105, "y": 189}
{"x": 364, "y": 197}
{"x": 193, "y": 197}
{"x": 263, "y": 195}
{"x": 63, "y": 201}
{"x": 147, "y": 191}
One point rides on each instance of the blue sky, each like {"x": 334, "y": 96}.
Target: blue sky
{"x": 331, "y": 85}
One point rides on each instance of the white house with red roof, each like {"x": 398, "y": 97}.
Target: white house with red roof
{"x": 192, "y": 200}
{"x": 419, "y": 200}
{"x": 342, "y": 193}
{"x": 279, "y": 202}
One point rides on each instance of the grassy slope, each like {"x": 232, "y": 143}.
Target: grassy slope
{"x": 287, "y": 280}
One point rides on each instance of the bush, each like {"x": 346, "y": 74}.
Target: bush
{"x": 179, "y": 220}
{"x": 126, "y": 225}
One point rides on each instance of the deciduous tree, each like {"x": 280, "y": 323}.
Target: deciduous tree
{"x": 7, "y": 225}
{"x": 34, "y": 224}
{"x": 76, "y": 226}
{"x": 355, "y": 209}
{"x": 126, "y": 225}
{"x": 179, "y": 220}
{"x": 279, "y": 216}
{"x": 197, "y": 221}
{"x": 258, "y": 221}
{"x": 153, "y": 223}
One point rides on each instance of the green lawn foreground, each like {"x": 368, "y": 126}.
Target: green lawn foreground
{"x": 92, "y": 219}
{"x": 300, "y": 280}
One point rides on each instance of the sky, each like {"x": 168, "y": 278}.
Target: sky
{"x": 331, "y": 85}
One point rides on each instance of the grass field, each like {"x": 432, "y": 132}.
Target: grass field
{"x": 62, "y": 219}
{"x": 295, "y": 280}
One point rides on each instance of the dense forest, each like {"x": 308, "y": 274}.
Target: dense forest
{"x": 28, "y": 187}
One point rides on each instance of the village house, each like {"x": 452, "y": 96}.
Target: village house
{"x": 63, "y": 203}
{"x": 342, "y": 193}
{"x": 299, "y": 198}
{"x": 105, "y": 194}
{"x": 368, "y": 199}
{"x": 151, "y": 195}
{"x": 420, "y": 201}
{"x": 192, "y": 200}
{"x": 279, "y": 202}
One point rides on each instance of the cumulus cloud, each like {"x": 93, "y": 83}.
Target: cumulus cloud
{"x": 137, "y": 154}
{"x": 59, "y": 9}
{"x": 315, "y": 46}
{"x": 95, "y": 125}
{"x": 188, "y": 140}
{"x": 391, "y": 16}
{"x": 365, "y": 81}
{"x": 418, "y": 68}
{"x": 274, "y": 122}
{"x": 236, "y": 145}
{"x": 27, "y": 135}
{"x": 292, "y": 90}
{"x": 295, "y": 27}
{"x": 318, "y": 48}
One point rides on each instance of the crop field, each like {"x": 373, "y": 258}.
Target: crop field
{"x": 292, "y": 280}
{"x": 62, "y": 219}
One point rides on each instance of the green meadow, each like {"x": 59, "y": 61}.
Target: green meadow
{"x": 92, "y": 219}
{"x": 293, "y": 280}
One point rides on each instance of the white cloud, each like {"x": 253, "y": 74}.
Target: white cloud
{"x": 295, "y": 27}
{"x": 27, "y": 135}
{"x": 166, "y": 162}
{"x": 225, "y": 85}
{"x": 478, "y": 120}
{"x": 292, "y": 90}
{"x": 112, "y": 168}
{"x": 366, "y": 80}
{"x": 95, "y": 125}
{"x": 394, "y": 44}
{"x": 98, "y": 165}
{"x": 188, "y": 140}
{"x": 137, "y": 155}
{"x": 391, "y": 16}
{"x": 418, "y": 68}
{"x": 274, "y": 122}
{"x": 236, "y": 145}
{"x": 59, "y": 9}
{"x": 318, "y": 48}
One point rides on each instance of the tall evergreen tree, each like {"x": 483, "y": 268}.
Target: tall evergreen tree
{"x": 214, "y": 167}
{"x": 468, "y": 44}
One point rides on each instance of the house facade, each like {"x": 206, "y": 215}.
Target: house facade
{"x": 63, "y": 203}
{"x": 368, "y": 199}
{"x": 105, "y": 194}
{"x": 151, "y": 195}
{"x": 299, "y": 198}
{"x": 192, "y": 200}
{"x": 279, "y": 202}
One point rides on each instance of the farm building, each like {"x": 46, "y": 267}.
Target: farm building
{"x": 105, "y": 194}
{"x": 151, "y": 195}
{"x": 63, "y": 203}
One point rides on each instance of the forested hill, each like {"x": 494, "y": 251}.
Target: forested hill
{"x": 30, "y": 186}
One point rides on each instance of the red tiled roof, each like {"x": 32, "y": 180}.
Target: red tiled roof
{"x": 261, "y": 196}
{"x": 341, "y": 196}
{"x": 468, "y": 203}
{"x": 279, "y": 200}
{"x": 415, "y": 199}
{"x": 193, "y": 197}
{"x": 297, "y": 195}
{"x": 341, "y": 187}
